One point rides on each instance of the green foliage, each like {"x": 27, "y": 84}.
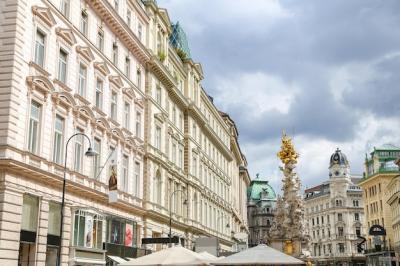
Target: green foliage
{"x": 161, "y": 56}
{"x": 181, "y": 53}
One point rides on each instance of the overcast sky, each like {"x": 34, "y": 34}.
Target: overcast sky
{"x": 327, "y": 72}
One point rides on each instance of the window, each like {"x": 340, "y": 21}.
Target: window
{"x": 340, "y": 217}
{"x": 357, "y": 217}
{"x": 118, "y": 232}
{"x": 127, "y": 115}
{"x": 78, "y": 151}
{"x": 194, "y": 166}
{"x": 128, "y": 17}
{"x": 340, "y": 231}
{"x": 62, "y": 66}
{"x": 58, "y": 143}
{"x": 355, "y": 203}
{"x": 84, "y": 23}
{"x": 97, "y": 157}
{"x": 136, "y": 182}
{"x": 34, "y": 127}
{"x": 140, "y": 31}
{"x": 180, "y": 158}
{"x": 112, "y": 161}
{"x": 82, "y": 80}
{"x": 88, "y": 230}
{"x": 138, "y": 125}
{"x": 40, "y": 48}
{"x": 125, "y": 175}
{"x": 313, "y": 221}
{"x": 115, "y": 54}
{"x": 64, "y": 8}
{"x": 158, "y": 95}
{"x": 341, "y": 247}
{"x": 113, "y": 107}
{"x": 99, "y": 94}
{"x": 194, "y": 131}
{"x": 358, "y": 231}
{"x": 127, "y": 67}
{"x": 174, "y": 115}
{"x": 158, "y": 188}
{"x": 54, "y": 219}
{"x": 100, "y": 40}
{"x": 173, "y": 152}
{"x": 139, "y": 78}
{"x": 116, "y": 5}
{"x": 158, "y": 137}
{"x": 30, "y": 209}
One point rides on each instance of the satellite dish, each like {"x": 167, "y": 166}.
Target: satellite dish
{"x": 240, "y": 235}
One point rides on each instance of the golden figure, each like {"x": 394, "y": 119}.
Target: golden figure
{"x": 287, "y": 153}
{"x": 288, "y": 249}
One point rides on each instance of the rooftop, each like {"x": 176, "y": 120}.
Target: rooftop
{"x": 257, "y": 187}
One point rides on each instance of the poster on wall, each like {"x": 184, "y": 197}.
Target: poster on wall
{"x": 88, "y": 231}
{"x": 128, "y": 235}
{"x": 115, "y": 232}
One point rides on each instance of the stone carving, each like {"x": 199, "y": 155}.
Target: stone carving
{"x": 289, "y": 223}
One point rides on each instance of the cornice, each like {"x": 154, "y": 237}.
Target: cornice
{"x": 161, "y": 72}
{"x": 43, "y": 177}
{"x": 119, "y": 27}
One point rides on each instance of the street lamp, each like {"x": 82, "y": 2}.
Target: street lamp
{"x": 89, "y": 153}
{"x": 170, "y": 213}
{"x": 227, "y": 226}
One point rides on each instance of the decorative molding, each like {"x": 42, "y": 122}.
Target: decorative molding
{"x": 85, "y": 111}
{"x": 103, "y": 123}
{"x": 41, "y": 84}
{"x": 129, "y": 92}
{"x": 116, "y": 80}
{"x": 102, "y": 67}
{"x": 85, "y": 52}
{"x": 44, "y": 14}
{"x": 66, "y": 34}
{"x": 118, "y": 132}
{"x": 64, "y": 97}
{"x": 160, "y": 117}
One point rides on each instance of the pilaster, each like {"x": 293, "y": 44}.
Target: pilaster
{"x": 10, "y": 226}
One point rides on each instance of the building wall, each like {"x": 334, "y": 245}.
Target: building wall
{"x": 129, "y": 74}
{"x": 376, "y": 209}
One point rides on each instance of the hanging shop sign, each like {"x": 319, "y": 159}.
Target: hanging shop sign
{"x": 113, "y": 186}
{"x": 377, "y": 230}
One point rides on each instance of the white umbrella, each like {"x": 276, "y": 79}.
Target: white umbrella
{"x": 259, "y": 255}
{"x": 170, "y": 256}
{"x": 208, "y": 256}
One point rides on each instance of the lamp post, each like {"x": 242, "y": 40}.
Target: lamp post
{"x": 89, "y": 153}
{"x": 170, "y": 213}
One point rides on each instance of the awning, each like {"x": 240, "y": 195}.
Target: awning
{"x": 89, "y": 261}
{"x": 116, "y": 259}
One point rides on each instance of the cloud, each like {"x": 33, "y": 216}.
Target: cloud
{"x": 326, "y": 71}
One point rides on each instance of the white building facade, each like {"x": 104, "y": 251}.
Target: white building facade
{"x": 335, "y": 216}
{"x": 94, "y": 68}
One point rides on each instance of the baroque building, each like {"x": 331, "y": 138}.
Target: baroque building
{"x": 261, "y": 201}
{"x": 380, "y": 170}
{"x": 393, "y": 189}
{"x": 106, "y": 73}
{"x": 335, "y": 216}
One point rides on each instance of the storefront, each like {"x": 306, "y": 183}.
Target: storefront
{"x": 122, "y": 240}
{"x": 87, "y": 240}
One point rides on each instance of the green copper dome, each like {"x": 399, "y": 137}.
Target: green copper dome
{"x": 257, "y": 187}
